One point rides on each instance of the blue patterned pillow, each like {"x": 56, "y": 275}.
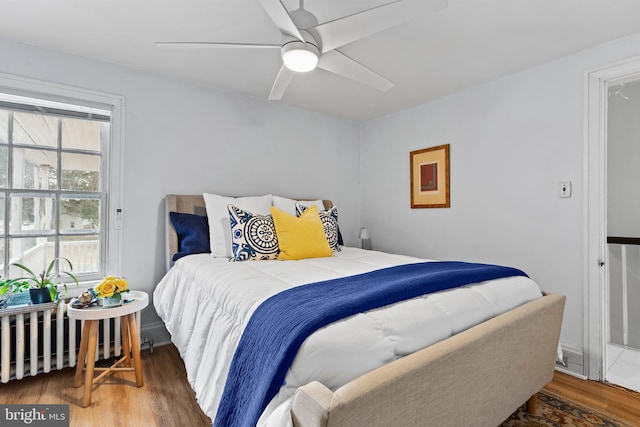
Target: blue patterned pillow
{"x": 253, "y": 237}
{"x": 329, "y": 220}
{"x": 193, "y": 234}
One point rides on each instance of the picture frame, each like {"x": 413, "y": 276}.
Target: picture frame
{"x": 429, "y": 172}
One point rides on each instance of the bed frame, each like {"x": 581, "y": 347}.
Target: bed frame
{"x": 477, "y": 377}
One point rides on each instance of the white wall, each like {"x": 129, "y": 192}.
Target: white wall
{"x": 183, "y": 138}
{"x": 512, "y": 140}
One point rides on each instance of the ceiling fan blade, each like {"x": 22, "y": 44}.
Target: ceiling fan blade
{"x": 209, "y": 45}
{"x": 282, "y": 82}
{"x": 280, "y": 16}
{"x": 342, "y": 31}
{"x": 341, "y": 64}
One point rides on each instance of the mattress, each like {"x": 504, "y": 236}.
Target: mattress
{"x": 206, "y": 302}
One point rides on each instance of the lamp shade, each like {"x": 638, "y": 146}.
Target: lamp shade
{"x": 364, "y": 233}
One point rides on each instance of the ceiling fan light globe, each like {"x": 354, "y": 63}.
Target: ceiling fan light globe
{"x": 300, "y": 56}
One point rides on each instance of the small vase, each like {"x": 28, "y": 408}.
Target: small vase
{"x": 39, "y": 295}
{"x": 110, "y": 302}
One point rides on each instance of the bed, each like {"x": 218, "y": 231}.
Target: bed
{"x": 468, "y": 356}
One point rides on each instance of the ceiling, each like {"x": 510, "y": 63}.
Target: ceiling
{"x": 469, "y": 42}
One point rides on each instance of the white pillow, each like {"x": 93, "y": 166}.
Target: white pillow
{"x": 219, "y": 222}
{"x": 289, "y": 205}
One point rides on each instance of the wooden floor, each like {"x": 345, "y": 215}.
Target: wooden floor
{"x": 615, "y": 401}
{"x": 166, "y": 399}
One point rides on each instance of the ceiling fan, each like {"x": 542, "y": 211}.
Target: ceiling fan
{"x": 306, "y": 44}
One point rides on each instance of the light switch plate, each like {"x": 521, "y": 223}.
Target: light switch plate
{"x": 564, "y": 189}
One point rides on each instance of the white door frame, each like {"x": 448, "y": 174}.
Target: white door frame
{"x": 597, "y": 82}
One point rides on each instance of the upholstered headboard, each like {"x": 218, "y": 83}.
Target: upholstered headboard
{"x": 193, "y": 204}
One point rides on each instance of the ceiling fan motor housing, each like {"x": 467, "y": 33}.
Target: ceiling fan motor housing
{"x": 300, "y": 56}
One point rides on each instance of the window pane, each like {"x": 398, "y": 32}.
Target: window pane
{"x": 34, "y": 169}
{"x": 80, "y": 172}
{"x": 80, "y": 134}
{"x": 33, "y": 252}
{"x": 4, "y": 126}
{"x": 32, "y": 214}
{"x": 35, "y": 129}
{"x": 51, "y": 191}
{"x": 4, "y": 167}
{"x": 79, "y": 214}
{"x": 82, "y": 251}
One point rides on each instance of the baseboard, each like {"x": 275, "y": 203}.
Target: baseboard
{"x": 572, "y": 361}
{"x": 154, "y": 333}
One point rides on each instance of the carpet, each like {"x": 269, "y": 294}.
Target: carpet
{"x": 553, "y": 411}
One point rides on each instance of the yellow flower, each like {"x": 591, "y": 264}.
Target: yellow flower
{"x": 106, "y": 288}
{"x": 121, "y": 284}
{"x": 111, "y": 285}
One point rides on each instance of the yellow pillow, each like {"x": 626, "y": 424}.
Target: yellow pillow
{"x": 300, "y": 237}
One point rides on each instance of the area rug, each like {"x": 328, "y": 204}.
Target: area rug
{"x": 554, "y": 411}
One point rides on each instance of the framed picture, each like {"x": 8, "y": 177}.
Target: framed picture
{"x": 430, "y": 177}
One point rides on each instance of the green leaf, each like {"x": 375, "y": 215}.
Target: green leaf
{"x": 33, "y": 276}
{"x": 53, "y": 291}
{"x": 70, "y": 275}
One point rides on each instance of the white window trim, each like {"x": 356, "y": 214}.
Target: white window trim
{"x": 62, "y": 93}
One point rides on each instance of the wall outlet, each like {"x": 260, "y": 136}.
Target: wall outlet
{"x": 564, "y": 189}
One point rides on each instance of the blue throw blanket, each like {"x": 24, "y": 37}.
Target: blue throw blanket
{"x": 280, "y": 325}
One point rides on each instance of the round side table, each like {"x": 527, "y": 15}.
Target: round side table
{"x": 92, "y": 316}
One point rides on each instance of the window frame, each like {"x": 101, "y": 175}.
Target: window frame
{"x": 112, "y": 159}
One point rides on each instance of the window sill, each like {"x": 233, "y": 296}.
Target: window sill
{"x": 73, "y": 291}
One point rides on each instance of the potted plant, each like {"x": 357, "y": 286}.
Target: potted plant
{"x": 42, "y": 287}
{"x": 8, "y": 288}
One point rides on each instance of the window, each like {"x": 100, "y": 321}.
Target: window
{"x": 57, "y": 178}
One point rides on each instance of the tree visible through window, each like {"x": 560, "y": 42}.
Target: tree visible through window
{"x": 53, "y": 185}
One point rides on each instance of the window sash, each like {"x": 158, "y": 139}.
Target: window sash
{"x": 94, "y": 106}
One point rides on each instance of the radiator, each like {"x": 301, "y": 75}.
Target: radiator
{"x": 38, "y": 338}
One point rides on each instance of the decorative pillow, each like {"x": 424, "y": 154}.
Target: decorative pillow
{"x": 300, "y": 237}
{"x": 329, "y": 220}
{"x": 253, "y": 237}
{"x": 219, "y": 223}
{"x": 193, "y": 234}
{"x": 289, "y": 205}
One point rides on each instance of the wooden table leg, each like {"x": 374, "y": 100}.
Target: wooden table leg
{"x": 91, "y": 360}
{"x": 126, "y": 349}
{"x": 82, "y": 354}
{"x": 532, "y": 403}
{"x": 135, "y": 348}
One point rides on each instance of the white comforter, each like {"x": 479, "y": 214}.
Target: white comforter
{"x": 205, "y": 303}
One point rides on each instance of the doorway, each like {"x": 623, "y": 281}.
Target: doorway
{"x": 622, "y": 336}
{"x": 612, "y": 252}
